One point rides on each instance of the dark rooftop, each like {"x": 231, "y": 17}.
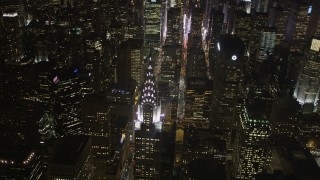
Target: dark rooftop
{"x": 70, "y": 150}
{"x": 231, "y": 45}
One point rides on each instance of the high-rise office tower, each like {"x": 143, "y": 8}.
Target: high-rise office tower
{"x": 97, "y": 124}
{"x": 260, "y": 21}
{"x": 251, "y": 153}
{"x": 122, "y": 70}
{"x": 72, "y": 159}
{"x": 148, "y": 129}
{"x": 215, "y": 30}
{"x": 285, "y": 115}
{"x": 196, "y": 66}
{"x": 262, "y": 6}
{"x": 21, "y": 134}
{"x": 278, "y": 17}
{"x": 198, "y": 99}
{"x": 67, "y": 101}
{"x": 313, "y": 24}
{"x": 200, "y": 153}
{"x": 174, "y": 26}
{"x": 245, "y": 5}
{"x": 242, "y": 26}
{"x": 152, "y": 19}
{"x": 135, "y": 26}
{"x": 315, "y": 12}
{"x": 13, "y": 20}
{"x": 44, "y": 71}
{"x": 20, "y": 163}
{"x": 216, "y": 24}
{"x": 169, "y": 67}
{"x": 297, "y": 25}
{"x": 308, "y": 132}
{"x": 136, "y": 60}
{"x": 228, "y": 65}
{"x": 197, "y": 85}
{"x": 196, "y": 25}
{"x": 307, "y": 88}
{"x": 267, "y": 44}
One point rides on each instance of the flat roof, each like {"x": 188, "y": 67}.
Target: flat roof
{"x": 70, "y": 150}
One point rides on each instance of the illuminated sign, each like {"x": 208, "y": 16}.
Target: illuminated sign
{"x": 234, "y": 57}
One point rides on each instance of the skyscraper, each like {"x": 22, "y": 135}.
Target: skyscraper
{"x": 152, "y": 19}
{"x": 284, "y": 116}
{"x": 251, "y": 153}
{"x": 267, "y": 43}
{"x": 297, "y": 25}
{"x": 197, "y": 89}
{"x": 242, "y": 25}
{"x": 13, "y": 14}
{"x": 307, "y": 88}
{"x": 97, "y": 124}
{"x": 67, "y": 101}
{"x": 148, "y": 129}
{"x": 174, "y": 26}
{"x": 136, "y": 54}
{"x": 262, "y": 6}
{"x": 228, "y": 63}
{"x": 278, "y": 17}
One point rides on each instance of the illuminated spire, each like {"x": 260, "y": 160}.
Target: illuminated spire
{"x": 149, "y": 86}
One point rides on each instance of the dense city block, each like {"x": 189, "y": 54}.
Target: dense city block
{"x": 160, "y": 89}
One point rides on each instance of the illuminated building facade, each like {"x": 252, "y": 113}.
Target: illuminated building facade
{"x": 251, "y": 153}
{"x": 259, "y": 22}
{"x": 97, "y": 124}
{"x": 262, "y": 6}
{"x": 267, "y": 43}
{"x": 67, "y": 101}
{"x": 13, "y": 18}
{"x": 278, "y": 18}
{"x": 44, "y": 72}
{"x": 174, "y": 27}
{"x": 152, "y": 19}
{"x": 198, "y": 90}
{"x": 136, "y": 56}
{"x": 297, "y": 25}
{"x": 169, "y": 66}
{"x": 307, "y": 88}
{"x": 148, "y": 129}
{"x": 242, "y": 26}
{"x": 309, "y": 131}
{"x": 20, "y": 163}
{"x": 22, "y": 132}
{"x": 197, "y": 21}
{"x": 198, "y": 99}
